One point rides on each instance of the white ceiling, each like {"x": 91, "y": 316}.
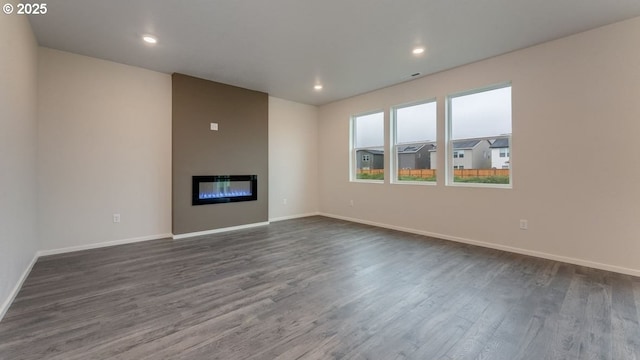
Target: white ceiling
{"x": 283, "y": 47}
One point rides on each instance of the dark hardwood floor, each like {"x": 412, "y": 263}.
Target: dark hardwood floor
{"x": 318, "y": 288}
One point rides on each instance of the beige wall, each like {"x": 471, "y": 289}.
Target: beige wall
{"x": 239, "y": 147}
{"x": 567, "y": 94}
{"x": 18, "y": 130}
{"x": 104, "y": 147}
{"x": 293, "y": 159}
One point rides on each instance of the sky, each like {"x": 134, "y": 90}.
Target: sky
{"x": 483, "y": 114}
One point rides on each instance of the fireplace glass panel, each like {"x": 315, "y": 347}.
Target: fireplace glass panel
{"x": 217, "y": 189}
{"x": 221, "y": 189}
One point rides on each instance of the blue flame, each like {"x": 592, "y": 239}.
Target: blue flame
{"x": 217, "y": 195}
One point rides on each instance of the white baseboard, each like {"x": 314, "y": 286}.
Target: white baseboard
{"x": 592, "y": 264}
{"x": 294, "y": 216}
{"x": 539, "y": 254}
{"x": 102, "y": 244}
{"x": 215, "y": 231}
{"x": 16, "y": 289}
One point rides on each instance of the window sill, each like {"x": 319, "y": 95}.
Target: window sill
{"x": 367, "y": 181}
{"x": 481, "y": 185}
{"x": 419, "y": 183}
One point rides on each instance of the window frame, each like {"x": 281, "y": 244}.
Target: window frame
{"x": 394, "y": 163}
{"x": 353, "y": 158}
{"x": 449, "y": 173}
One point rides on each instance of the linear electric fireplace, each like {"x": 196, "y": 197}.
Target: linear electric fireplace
{"x": 224, "y": 189}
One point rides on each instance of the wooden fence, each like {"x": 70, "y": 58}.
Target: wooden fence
{"x": 467, "y": 173}
{"x": 370, "y": 171}
{"x": 430, "y": 173}
{"x": 419, "y": 173}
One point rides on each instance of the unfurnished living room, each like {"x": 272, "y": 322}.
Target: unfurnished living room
{"x": 292, "y": 179}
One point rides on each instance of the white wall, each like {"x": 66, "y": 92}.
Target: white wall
{"x": 579, "y": 92}
{"x": 293, "y": 159}
{"x": 18, "y": 236}
{"x": 498, "y": 162}
{"x": 105, "y": 147}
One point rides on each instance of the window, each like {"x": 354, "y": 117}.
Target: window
{"x": 414, "y": 142}
{"x": 479, "y": 124}
{"x": 368, "y": 146}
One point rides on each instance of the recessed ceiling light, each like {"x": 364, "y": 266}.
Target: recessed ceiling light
{"x": 149, "y": 39}
{"x": 317, "y": 87}
{"x": 418, "y": 50}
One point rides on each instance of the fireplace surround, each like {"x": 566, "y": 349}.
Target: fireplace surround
{"x": 218, "y": 189}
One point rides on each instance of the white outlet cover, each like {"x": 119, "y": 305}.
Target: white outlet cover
{"x": 524, "y": 224}
{"x": 214, "y": 127}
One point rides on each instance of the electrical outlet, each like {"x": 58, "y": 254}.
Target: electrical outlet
{"x": 524, "y": 224}
{"x": 116, "y": 218}
{"x": 350, "y": 202}
{"x": 284, "y": 201}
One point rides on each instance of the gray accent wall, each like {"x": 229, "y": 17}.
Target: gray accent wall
{"x": 239, "y": 147}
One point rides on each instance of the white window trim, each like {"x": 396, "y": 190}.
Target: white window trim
{"x": 393, "y": 163}
{"x": 448, "y": 158}
{"x": 353, "y": 158}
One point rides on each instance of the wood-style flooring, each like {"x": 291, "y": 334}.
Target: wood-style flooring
{"x": 318, "y": 288}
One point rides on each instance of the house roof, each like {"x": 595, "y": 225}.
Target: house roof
{"x": 465, "y": 144}
{"x": 414, "y": 148}
{"x": 402, "y": 149}
{"x": 373, "y": 151}
{"x": 500, "y": 143}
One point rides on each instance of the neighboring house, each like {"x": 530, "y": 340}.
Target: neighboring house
{"x": 468, "y": 154}
{"x": 500, "y": 153}
{"x": 433, "y": 158}
{"x": 415, "y": 156}
{"x": 370, "y": 159}
{"x": 471, "y": 154}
